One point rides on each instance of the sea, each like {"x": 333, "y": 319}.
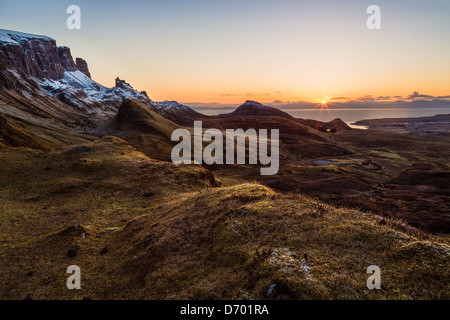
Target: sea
{"x": 350, "y": 116}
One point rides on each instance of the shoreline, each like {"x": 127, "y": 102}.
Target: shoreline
{"x": 437, "y": 124}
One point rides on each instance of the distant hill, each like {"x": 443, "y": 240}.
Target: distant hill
{"x": 331, "y": 126}
{"x": 438, "y": 124}
{"x": 253, "y": 108}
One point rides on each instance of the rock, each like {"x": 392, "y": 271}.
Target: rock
{"x": 66, "y": 60}
{"x": 34, "y": 56}
{"x": 241, "y": 210}
{"x": 122, "y": 84}
{"x": 271, "y": 289}
{"x": 112, "y": 229}
{"x": 28, "y": 59}
{"x": 277, "y": 292}
{"x": 82, "y": 66}
{"x": 29, "y": 296}
{"x": 77, "y": 230}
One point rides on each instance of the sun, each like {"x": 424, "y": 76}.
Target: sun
{"x": 324, "y": 104}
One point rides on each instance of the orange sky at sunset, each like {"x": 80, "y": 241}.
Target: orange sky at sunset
{"x": 227, "y": 52}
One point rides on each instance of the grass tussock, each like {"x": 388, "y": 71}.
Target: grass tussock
{"x": 145, "y": 229}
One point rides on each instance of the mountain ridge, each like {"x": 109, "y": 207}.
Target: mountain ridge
{"x": 30, "y": 63}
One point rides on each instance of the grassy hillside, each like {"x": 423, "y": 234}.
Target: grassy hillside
{"x": 145, "y": 229}
{"x": 143, "y": 128}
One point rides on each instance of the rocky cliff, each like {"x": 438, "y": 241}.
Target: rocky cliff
{"x": 33, "y": 65}
{"x": 34, "y": 56}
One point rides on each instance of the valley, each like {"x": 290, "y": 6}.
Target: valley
{"x": 87, "y": 179}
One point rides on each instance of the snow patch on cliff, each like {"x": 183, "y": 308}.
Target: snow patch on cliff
{"x": 14, "y": 37}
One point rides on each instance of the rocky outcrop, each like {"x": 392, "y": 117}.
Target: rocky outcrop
{"x": 122, "y": 84}
{"x": 31, "y": 63}
{"x": 124, "y": 89}
{"x": 66, "y": 60}
{"x": 31, "y": 55}
{"x": 34, "y": 56}
{"x": 82, "y": 66}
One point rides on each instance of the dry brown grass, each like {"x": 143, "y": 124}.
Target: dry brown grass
{"x": 169, "y": 233}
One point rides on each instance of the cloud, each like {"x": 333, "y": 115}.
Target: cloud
{"x": 416, "y": 95}
{"x": 369, "y": 102}
{"x": 340, "y": 98}
{"x": 384, "y": 98}
{"x": 367, "y": 98}
{"x": 414, "y": 100}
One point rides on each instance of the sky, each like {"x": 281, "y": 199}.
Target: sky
{"x": 208, "y": 52}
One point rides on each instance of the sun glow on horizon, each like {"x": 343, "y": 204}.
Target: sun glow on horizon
{"x": 208, "y": 54}
{"x": 323, "y": 105}
{"x": 325, "y": 101}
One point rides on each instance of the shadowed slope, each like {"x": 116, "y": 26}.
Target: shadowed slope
{"x": 143, "y": 128}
